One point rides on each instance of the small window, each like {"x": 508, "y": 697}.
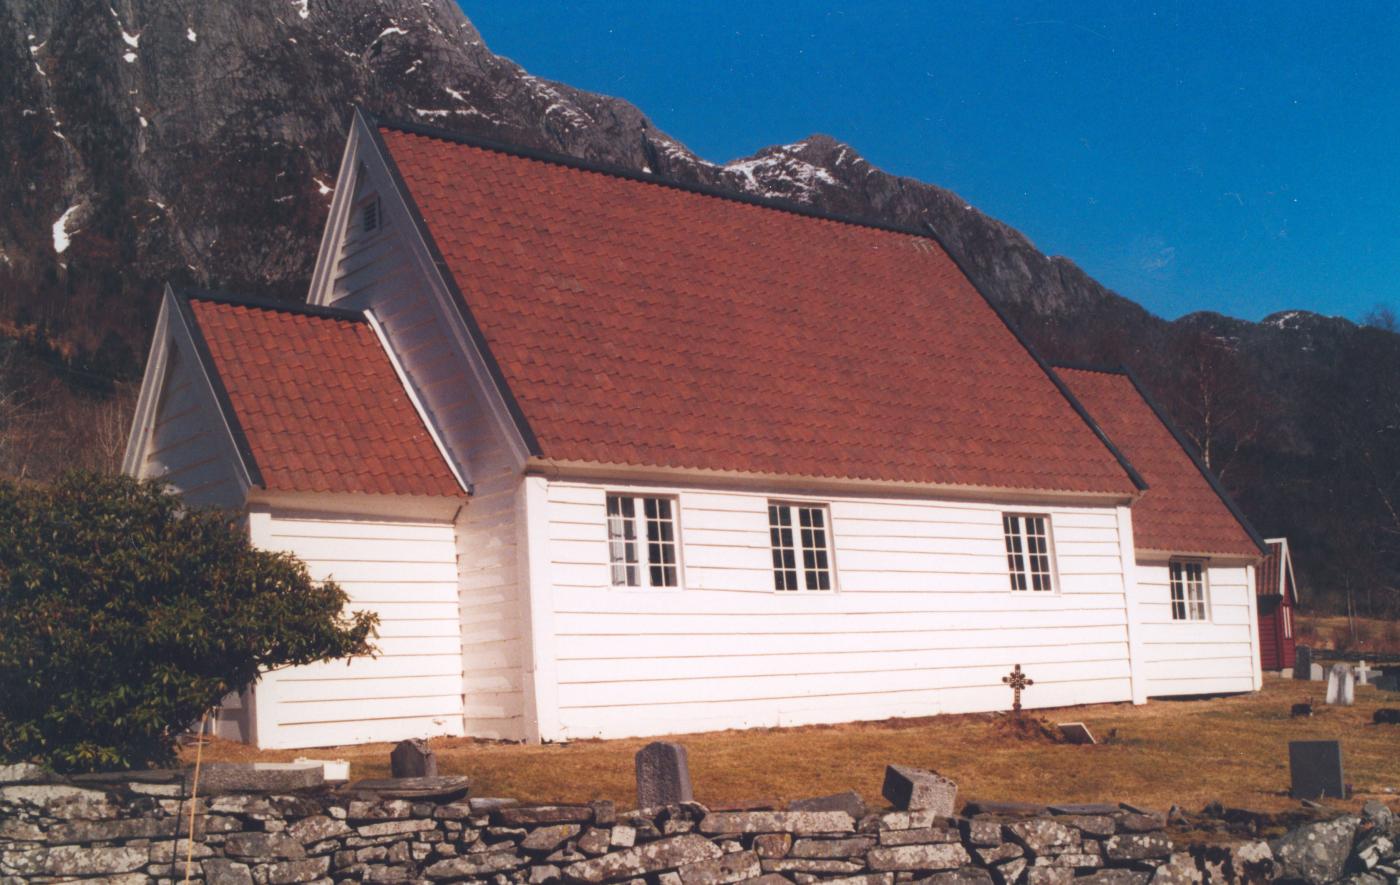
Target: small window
{"x": 1188, "y": 580}
{"x": 1028, "y": 551}
{"x": 645, "y": 555}
{"x": 369, "y": 216}
{"x": 1287, "y": 623}
{"x": 801, "y": 542}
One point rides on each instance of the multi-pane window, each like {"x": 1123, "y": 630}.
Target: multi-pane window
{"x": 801, "y": 545}
{"x": 1028, "y": 551}
{"x": 1188, "y": 580}
{"x": 642, "y": 555}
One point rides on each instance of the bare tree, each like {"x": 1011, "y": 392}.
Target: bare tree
{"x": 1213, "y": 404}
{"x": 1382, "y": 317}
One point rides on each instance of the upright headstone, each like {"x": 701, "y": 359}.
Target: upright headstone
{"x": 1316, "y": 674}
{"x": 917, "y": 789}
{"x": 412, "y": 758}
{"x": 1315, "y": 768}
{"x": 1341, "y": 685}
{"x": 1302, "y": 663}
{"x": 663, "y": 775}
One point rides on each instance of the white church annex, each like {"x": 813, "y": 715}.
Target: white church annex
{"x": 612, "y": 456}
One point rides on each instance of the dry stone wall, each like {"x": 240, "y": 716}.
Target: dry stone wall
{"x": 133, "y": 831}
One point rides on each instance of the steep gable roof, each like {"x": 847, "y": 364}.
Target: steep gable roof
{"x": 314, "y": 403}
{"x": 638, "y": 323}
{"x": 1185, "y": 510}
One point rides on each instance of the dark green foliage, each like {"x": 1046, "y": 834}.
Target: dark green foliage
{"x": 123, "y": 617}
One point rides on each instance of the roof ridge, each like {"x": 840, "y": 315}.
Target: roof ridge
{"x": 553, "y": 157}
{"x": 260, "y": 303}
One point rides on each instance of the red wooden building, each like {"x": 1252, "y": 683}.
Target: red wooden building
{"x": 1277, "y": 594}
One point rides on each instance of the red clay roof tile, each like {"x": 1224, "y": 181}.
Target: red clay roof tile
{"x": 1179, "y": 512}
{"x": 639, "y": 323}
{"x": 319, "y": 402}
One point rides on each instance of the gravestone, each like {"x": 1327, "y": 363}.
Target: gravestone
{"x": 1076, "y": 732}
{"x": 412, "y": 758}
{"x": 1388, "y": 681}
{"x": 1361, "y": 673}
{"x": 1302, "y": 663}
{"x": 1386, "y": 716}
{"x": 1316, "y": 674}
{"x": 917, "y": 789}
{"x": 1341, "y": 685}
{"x": 663, "y": 775}
{"x": 1315, "y": 768}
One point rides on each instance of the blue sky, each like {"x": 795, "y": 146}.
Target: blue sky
{"x": 1242, "y": 159}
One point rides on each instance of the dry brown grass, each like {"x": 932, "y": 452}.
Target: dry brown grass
{"x": 1234, "y": 750}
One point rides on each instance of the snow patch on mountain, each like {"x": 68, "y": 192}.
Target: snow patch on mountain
{"x": 61, "y": 238}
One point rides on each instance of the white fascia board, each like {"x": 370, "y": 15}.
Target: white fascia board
{"x": 413, "y": 397}
{"x": 152, "y": 385}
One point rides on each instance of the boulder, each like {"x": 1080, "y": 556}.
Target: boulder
{"x": 1316, "y": 852}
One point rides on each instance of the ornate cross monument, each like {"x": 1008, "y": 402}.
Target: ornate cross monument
{"x": 1018, "y": 681}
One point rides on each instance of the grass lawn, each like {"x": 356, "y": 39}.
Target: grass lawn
{"x": 1232, "y": 749}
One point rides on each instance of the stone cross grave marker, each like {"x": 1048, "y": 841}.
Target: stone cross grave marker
{"x": 1315, "y": 768}
{"x": 1302, "y": 663}
{"x": 412, "y": 758}
{"x": 663, "y": 775}
{"x": 1018, "y": 682}
{"x": 1341, "y": 685}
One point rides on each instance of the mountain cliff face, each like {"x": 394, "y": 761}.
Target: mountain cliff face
{"x": 196, "y": 142}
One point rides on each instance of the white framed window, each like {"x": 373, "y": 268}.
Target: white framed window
{"x": 1028, "y": 551}
{"x": 800, "y": 536}
{"x": 642, "y": 541}
{"x": 1188, "y": 581}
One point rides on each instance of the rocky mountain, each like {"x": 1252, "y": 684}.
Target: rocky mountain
{"x": 196, "y": 142}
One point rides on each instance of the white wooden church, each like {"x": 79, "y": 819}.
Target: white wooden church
{"x": 614, "y": 456}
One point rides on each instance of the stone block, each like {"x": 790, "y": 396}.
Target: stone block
{"x": 1043, "y": 835}
{"x": 799, "y": 823}
{"x": 412, "y": 758}
{"x": 772, "y": 845}
{"x": 258, "y": 777}
{"x": 471, "y": 866}
{"x": 640, "y": 860}
{"x": 918, "y": 789}
{"x": 1137, "y": 846}
{"x": 922, "y": 835}
{"x": 963, "y": 876}
{"x": 849, "y": 802}
{"x": 831, "y": 849}
{"x": 945, "y": 856}
{"x": 545, "y": 839}
{"x": 980, "y": 831}
{"x": 222, "y": 871}
{"x": 663, "y": 775}
{"x": 734, "y": 867}
{"x": 87, "y": 860}
{"x": 540, "y": 815}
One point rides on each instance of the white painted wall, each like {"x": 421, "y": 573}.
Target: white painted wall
{"x": 1198, "y": 657}
{"x": 184, "y": 441}
{"x": 922, "y": 620}
{"x": 407, "y": 572}
{"x": 389, "y": 272}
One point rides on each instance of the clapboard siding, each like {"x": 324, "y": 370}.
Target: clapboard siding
{"x": 1197, "y": 657}
{"x": 378, "y": 272}
{"x": 189, "y": 447}
{"x": 922, "y": 620}
{"x": 406, "y": 571}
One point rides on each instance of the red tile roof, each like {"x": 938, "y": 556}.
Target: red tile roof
{"x": 318, "y": 401}
{"x": 1180, "y": 512}
{"x": 639, "y": 323}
